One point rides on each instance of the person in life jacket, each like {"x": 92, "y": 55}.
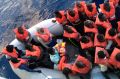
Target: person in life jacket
{"x": 115, "y": 2}
{"x": 86, "y": 42}
{"x": 110, "y": 34}
{"x": 70, "y": 32}
{"x": 22, "y": 34}
{"x": 12, "y": 51}
{"x": 101, "y": 56}
{"x": 117, "y": 39}
{"x": 91, "y": 11}
{"x": 72, "y": 16}
{"x": 108, "y": 9}
{"x": 99, "y": 40}
{"x": 102, "y": 20}
{"x": 60, "y": 17}
{"x": 89, "y": 27}
{"x": 115, "y": 58}
{"x": 81, "y": 65}
{"x": 21, "y": 64}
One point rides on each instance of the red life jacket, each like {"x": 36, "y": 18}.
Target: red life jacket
{"x": 98, "y": 60}
{"x": 36, "y": 52}
{"x": 99, "y": 44}
{"x": 46, "y": 36}
{"x": 93, "y": 13}
{"x": 63, "y": 19}
{"x": 75, "y": 18}
{"x": 118, "y": 26}
{"x": 73, "y": 35}
{"x": 107, "y": 36}
{"x": 82, "y": 3}
{"x": 117, "y": 40}
{"x": 11, "y": 54}
{"x": 22, "y": 37}
{"x": 16, "y": 65}
{"x": 112, "y": 59}
{"x": 87, "y": 29}
{"x": 105, "y": 24}
{"x": 86, "y": 45}
{"x": 112, "y": 10}
{"x": 84, "y": 70}
{"x": 114, "y": 1}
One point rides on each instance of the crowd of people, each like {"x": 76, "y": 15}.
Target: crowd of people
{"x": 91, "y": 38}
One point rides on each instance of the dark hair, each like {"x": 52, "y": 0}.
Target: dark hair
{"x": 51, "y": 51}
{"x": 89, "y": 23}
{"x": 118, "y": 35}
{"x": 117, "y": 57}
{"x": 78, "y": 4}
{"x": 9, "y": 48}
{"x": 57, "y": 14}
{"x": 101, "y": 29}
{"x": 100, "y": 37}
{"x": 101, "y": 54}
{"x": 84, "y": 39}
{"x": 90, "y": 7}
{"x": 20, "y": 30}
{"x": 107, "y": 6}
{"x": 80, "y": 64}
{"x": 102, "y": 17}
{"x": 29, "y": 47}
{"x": 68, "y": 29}
{"x": 66, "y": 71}
{"x": 71, "y": 12}
{"x": 14, "y": 60}
{"x": 112, "y": 32}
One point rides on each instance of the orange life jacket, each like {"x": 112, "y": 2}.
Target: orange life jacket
{"x": 23, "y": 36}
{"x": 16, "y": 65}
{"x": 63, "y": 19}
{"x": 71, "y": 35}
{"x": 105, "y": 24}
{"x": 107, "y": 36}
{"x": 118, "y": 26}
{"x": 99, "y": 44}
{"x": 93, "y": 13}
{"x": 36, "y": 52}
{"x": 93, "y": 30}
{"x": 114, "y": 1}
{"x": 117, "y": 40}
{"x": 112, "y": 59}
{"x": 82, "y": 3}
{"x": 11, "y": 54}
{"x": 86, "y": 45}
{"x": 46, "y": 36}
{"x": 112, "y": 10}
{"x": 75, "y": 18}
{"x": 84, "y": 70}
{"x": 98, "y": 60}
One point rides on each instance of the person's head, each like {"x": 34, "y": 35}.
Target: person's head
{"x": 68, "y": 29}
{"x": 107, "y": 6}
{"x": 89, "y": 7}
{"x": 29, "y": 47}
{"x": 89, "y": 23}
{"x": 66, "y": 71}
{"x": 112, "y": 32}
{"x": 101, "y": 54}
{"x": 102, "y": 17}
{"x": 71, "y": 12}
{"x": 117, "y": 57}
{"x": 84, "y": 39}
{"x": 78, "y": 4}
{"x": 20, "y": 30}
{"x": 100, "y": 37}
{"x": 41, "y": 30}
{"x": 118, "y": 35}
{"x": 57, "y": 14}
{"x": 80, "y": 64}
{"x": 9, "y": 48}
{"x": 14, "y": 60}
{"x": 51, "y": 51}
